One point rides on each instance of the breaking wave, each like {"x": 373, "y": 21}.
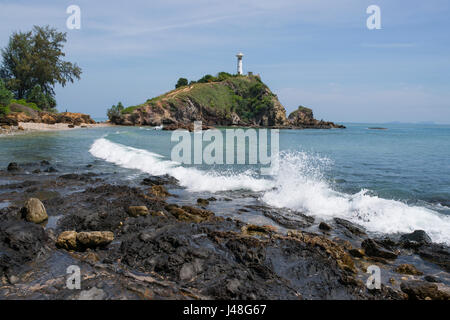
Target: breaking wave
{"x": 298, "y": 185}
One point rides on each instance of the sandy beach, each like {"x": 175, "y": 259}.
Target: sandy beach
{"x": 27, "y": 127}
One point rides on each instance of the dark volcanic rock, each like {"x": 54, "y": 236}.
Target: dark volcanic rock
{"x": 105, "y": 207}
{"x": 20, "y": 243}
{"x": 228, "y": 265}
{"x": 419, "y": 290}
{"x": 324, "y": 226}
{"x": 159, "y": 180}
{"x": 373, "y": 249}
{"x": 13, "y": 166}
{"x": 350, "y": 227}
{"x": 296, "y": 220}
{"x": 436, "y": 253}
{"x": 418, "y": 236}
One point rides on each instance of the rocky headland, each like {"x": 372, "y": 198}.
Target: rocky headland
{"x": 138, "y": 241}
{"x": 225, "y": 100}
{"x": 22, "y": 118}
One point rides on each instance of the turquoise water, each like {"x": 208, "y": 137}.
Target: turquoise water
{"x": 390, "y": 181}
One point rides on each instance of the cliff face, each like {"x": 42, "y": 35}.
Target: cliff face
{"x": 237, "y": 100}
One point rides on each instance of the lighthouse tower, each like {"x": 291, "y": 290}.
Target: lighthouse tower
{"x": 239, "y": 62}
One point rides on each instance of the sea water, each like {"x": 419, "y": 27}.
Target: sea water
{"x": 389, "y": 181}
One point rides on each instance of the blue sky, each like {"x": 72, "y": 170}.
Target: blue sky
{"x": 317, "y": 53}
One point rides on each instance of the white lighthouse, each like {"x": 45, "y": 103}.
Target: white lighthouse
{"x": 239, "y": 62}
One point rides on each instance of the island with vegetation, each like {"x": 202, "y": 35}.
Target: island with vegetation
{"x": 221, "y": 100}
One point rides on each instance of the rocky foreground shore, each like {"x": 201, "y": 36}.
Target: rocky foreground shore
{"x": 138, "y": 243}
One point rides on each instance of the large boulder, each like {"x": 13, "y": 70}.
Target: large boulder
{"x": 67, "y": 240}
{"x": 373, "y": 249}
{"x": 418, "y": 236}
{"x": 71, "y": 240}
{"x": 420, "y": 290}
{"x": 95, "y": 239}
{"x": 34, "y": 211}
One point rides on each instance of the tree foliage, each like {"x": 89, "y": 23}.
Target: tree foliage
{"x": 115, "y": 112}
{"x": 181, "y": 82}
{"x": 36, "y": 58}
{"x": 5, "y": 94}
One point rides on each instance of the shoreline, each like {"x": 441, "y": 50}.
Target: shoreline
{"x": 161, "y": 241}
{"x": 31, "y": 127}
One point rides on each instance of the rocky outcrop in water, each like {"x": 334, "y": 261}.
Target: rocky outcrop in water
{"x": 304, "y": 118}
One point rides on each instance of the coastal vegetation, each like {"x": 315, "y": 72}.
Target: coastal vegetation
{"x": 32, "y": 65}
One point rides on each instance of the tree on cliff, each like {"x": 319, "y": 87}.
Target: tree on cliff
{"x": 181, "y": 82}
{"x": 36, "y": 58}
{"x": 115, "y": 112}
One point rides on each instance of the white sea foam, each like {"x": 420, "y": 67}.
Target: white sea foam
{"x": 299, "y": 185}
{"x": 191, "y": 178}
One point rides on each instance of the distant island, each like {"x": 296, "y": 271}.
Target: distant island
{"x": 222, "y": 100}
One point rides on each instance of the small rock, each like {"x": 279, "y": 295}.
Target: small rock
{"x": 353, "y": 228}
{"x": 13, "y": 166}
{"x": 418, "y": 236}
{"x": 13, "y": 279}
{"x": 50, "y": 169}
{"x": 212, "y": 199}
{"x": 252, "y": 229}
{"x": 159, "y": 191}
{"x": 233, "y": 286}
{"x": 190, "y": 270}
{"x": 136, "y": 211}
{"x": 71, "y": 126}
{"x": 431, "y": 279}
{"x": 419, "y": 290}
{"x": 92, "y": 294}
{"x": 35, "y": 211}
{"x": 408, "y": 269}
{"x": 324, "y": 226}
{"x": 357, "y": 253}
{"x": 67, "y": 240}
{"x": 20, "y": 128}
{"x": 202, "y": 202}
{"x": 371, "y": 248}
{"x": 45, "y": 163}
{"x": 95, "y": 239}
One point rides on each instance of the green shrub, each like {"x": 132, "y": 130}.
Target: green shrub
{"x": 115, "y": 112}
{"x": 207, "y": 78}
{"x": 129, "y": 109}
{"x": 25, "y": 103}
{"x": 4, "y": 110}
{"x": 181, "y": 82}
{"x": 5, "y": 94}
